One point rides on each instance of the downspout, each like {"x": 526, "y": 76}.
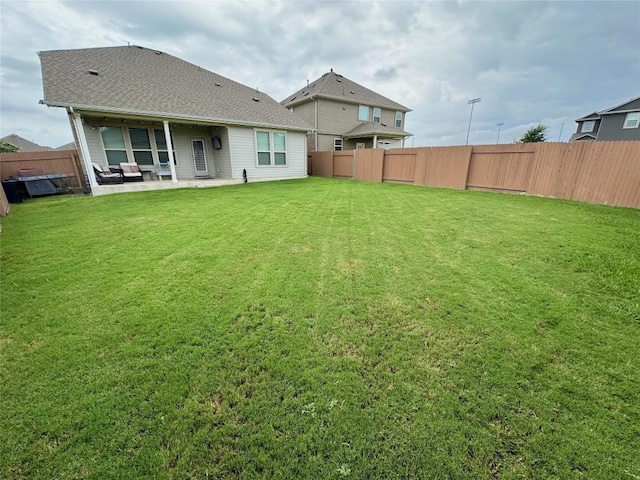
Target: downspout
{"x": 315, "y": 103}
{"x": 83, "y": 147}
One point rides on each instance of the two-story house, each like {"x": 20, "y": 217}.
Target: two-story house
{"x": 345, "y": 115}
{"x": 621, "y": 122}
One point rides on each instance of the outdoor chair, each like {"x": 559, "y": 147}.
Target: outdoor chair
{"x": 163, "y": 169}
{"x": 105, "y": 175}
{"x": 131, "y": 172}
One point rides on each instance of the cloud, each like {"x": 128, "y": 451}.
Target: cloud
{"x": 529, "y": 61}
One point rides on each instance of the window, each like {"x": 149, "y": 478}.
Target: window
{"x": 588, "y": 126}
{"x": 632, "y": 120}
{"x": 360, "y": 145}
{"x": 114, "y": 148}
{"x": 363, "y": 113}
{"x": 161, "y": 146}
{"x": 337, "y": 144}
{"x": 398, "y": 119}
{"x": 271, "y": 148}
{"x": 376, "y": 114}
{"x": 141, "y": 146}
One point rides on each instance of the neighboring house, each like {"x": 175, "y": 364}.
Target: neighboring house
{"x": 134, "y": 104}
{"x": 23, "y": 145}
{"x": 67, "y": 146}
{"x": 621, "y": 122}
{"x": 346, "y": 115}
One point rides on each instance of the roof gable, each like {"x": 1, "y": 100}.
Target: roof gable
{"x": 24, "y": 145}
{"x": 138, "y": 80}
{"x": 631, "y": 105}
{"x": 591, "y": 116}
{"x": 334, "y": 86}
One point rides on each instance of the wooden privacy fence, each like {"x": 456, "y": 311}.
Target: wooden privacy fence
{"x": 67, "y": 162}
{"x": 594, "y": 172}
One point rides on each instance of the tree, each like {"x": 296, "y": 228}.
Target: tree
{"x": 7, "y": 147}
{"x": 535, "y": 134}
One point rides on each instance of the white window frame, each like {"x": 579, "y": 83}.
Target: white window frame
{"x": 361, "y": 111}
{"x": 154, "y": 158}
{"x": 336, "y": 147}
{"x": 630, "y": 119}
{"x": 105, "y": 149}
{"x": 398, "y": 120}
{"x": 128, "y": 148}
{"x": 376, "y": 118}
{"x": 272, "y": 150}
{"x": 588, "y": 126}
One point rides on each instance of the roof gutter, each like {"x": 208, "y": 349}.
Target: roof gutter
{"x": 167, "y": 116}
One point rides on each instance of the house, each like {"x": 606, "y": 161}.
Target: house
{"x": 22, "y": 144}
{"x": 135, "y": 104}
{"x": 621, "y": 122}
{"x": 345, "y": 115}
{"x": 67, "y": 146}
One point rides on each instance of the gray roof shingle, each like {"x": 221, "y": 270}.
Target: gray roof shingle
{"x": 336, "y": 87}
{"x": 24, "y": 145}
{"x": 375, "y": 128}
{"x": 138, "y": 80}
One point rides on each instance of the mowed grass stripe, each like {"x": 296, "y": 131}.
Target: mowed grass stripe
{"x": 319, "y": 329}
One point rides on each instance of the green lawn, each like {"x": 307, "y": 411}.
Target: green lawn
{"x": 319, "y": 329}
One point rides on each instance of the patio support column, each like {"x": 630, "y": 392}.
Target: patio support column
{"x": 167, "y": 136}
{"x": 84, "y": 150}
{"x": 375, "y": 141}
{"x": 402, "y": 142}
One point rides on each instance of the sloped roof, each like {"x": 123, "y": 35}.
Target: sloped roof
{"x": 632, "y": 105}
{"x": 67, "y": 146}
{"x": 591, "y": 116}
{"x": 142, "y": 81}
{"x": 336, "y": 87}
{"x": 24, "y": 145}
{"x": 580, "y": 136}
{"x": 374, "y": 128}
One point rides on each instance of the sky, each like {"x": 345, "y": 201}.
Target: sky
{"x": 530, "y": 62}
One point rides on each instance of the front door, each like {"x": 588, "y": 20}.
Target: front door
{"x": 199, "y": 157}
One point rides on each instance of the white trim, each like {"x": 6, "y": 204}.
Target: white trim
{"x": 174, "y": 116}
{"x": 167, "y": 139}
{"x": 587, "y": 122}
{"x": 193, "y": 156}
{"x": 626, "y": 119}
{"x": 272, "y": 151}
{"x": 84, "y": 150}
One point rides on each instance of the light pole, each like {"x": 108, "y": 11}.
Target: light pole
{"x": 499, "y": 127}
{"x": 471, "y": 102}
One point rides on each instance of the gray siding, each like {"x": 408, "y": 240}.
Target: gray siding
{"x": 307, "y": 112}
{"x": 243, "y": 155}
{"x": 185, "y": 167}
{"x": 611, "y": 128}
{"x": 94, "y": 142}
{"x": 336, "y": 118}
{"x": 223, "y": 156}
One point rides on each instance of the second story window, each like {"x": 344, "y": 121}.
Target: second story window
{"x": 376, "y": 114}
{"x": 588, "y": 126}
{"x": 632, "y": 120}
{"x": 398, "y": 119}
{"x": 363, "y": 113}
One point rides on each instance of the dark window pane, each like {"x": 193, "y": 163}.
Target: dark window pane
{"x": 139, "y": 138}
{"x": 280, "y": 158}
{"x": 161, "y": 141}
{"x": 264, "y": 158}
{"x": 115, "y": 157}
{"x": 143, "y": 157}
